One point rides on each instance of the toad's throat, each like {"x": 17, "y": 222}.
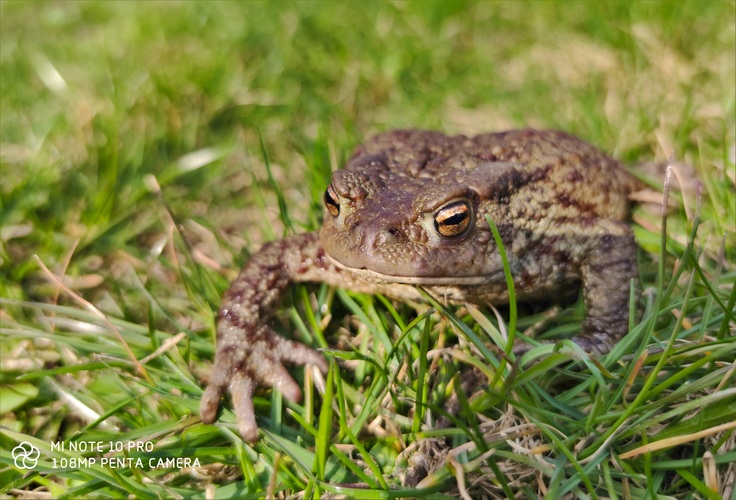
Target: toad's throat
{"x": 378, "y": 277}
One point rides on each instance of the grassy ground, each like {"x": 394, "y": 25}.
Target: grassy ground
{"x": 133, "y": 186}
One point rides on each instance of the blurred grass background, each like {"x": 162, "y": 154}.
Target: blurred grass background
{"x": 131, "y": 165}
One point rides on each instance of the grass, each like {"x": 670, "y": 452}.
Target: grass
{"x": 144, "y": 149}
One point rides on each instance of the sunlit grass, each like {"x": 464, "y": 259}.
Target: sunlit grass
{"x": 144, "y": 152}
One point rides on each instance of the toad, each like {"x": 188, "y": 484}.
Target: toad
{"x": 410, "y": 209}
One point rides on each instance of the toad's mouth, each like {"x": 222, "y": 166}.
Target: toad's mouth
{"x": 378, "y": 277}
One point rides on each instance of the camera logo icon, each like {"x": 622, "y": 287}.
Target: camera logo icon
{"x": 25, "y": 455}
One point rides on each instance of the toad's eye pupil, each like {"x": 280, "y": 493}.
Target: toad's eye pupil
{"x": 332, "y": 201}
{"x": 453, "y": 219}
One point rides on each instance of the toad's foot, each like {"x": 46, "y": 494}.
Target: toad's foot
{"x": 242, "y": 368}
{"x": 249, "y": 352}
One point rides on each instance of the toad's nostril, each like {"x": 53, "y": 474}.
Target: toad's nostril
{"x": 377, "y": 238}
{"x": 394, "y": 235}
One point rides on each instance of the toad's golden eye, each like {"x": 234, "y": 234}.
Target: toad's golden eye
{"x": 453, "y": 219}
{"x": 332, "y": 201}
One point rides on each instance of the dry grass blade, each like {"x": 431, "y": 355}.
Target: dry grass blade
{"x": 669, "y": 442}
{"x": 94, "y": 310}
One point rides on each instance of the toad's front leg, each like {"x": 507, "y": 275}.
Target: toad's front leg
{"x": 606, "y": 274}
{"x": 602, "y": 255}
{"x": 249, "y": 352}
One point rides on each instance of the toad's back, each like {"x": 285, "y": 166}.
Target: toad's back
{"x": 542, "y": 169}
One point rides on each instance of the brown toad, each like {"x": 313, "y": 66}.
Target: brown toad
{"x": 409, "y": 209}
